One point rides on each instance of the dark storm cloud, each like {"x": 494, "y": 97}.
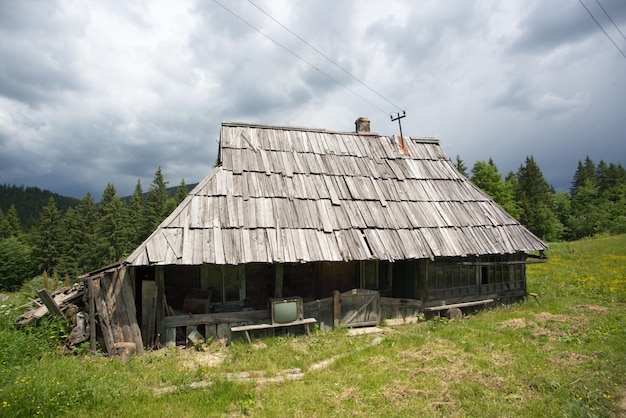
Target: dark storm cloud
{"x": 548, "y": 26}
{"x": 96, "y": 93}
{"x": 38, "y": 44}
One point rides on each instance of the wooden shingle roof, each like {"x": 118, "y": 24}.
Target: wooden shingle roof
{"x": 294, "y": 195}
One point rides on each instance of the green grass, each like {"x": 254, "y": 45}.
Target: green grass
{"x": 563, "y": 356}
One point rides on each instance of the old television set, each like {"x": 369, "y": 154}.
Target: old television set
{"x": 286, "y": 310}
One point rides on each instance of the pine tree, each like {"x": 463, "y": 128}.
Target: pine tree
{"x": 49, "y": 237}
{"x": 88, "y": 218}
{"x": 181, "y": 192}
{"x": 68, "y": 261}
{"x": 16, "y": 263}
{"x": 137, "y": 224}
{"x": 460, "y": 165}
{"x": 157, "y": 201}
{"x": 514, "y": 207}
{"x": 110, "y": 227}
{"x": 536, "y": 198}
{"x": 586, "y": 213}
{"x": 585, "y": 174}
{"x": 612, "y": 190}
{"x": 12, "y": 222}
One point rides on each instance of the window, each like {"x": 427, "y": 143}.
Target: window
{"x": 227, "y": 283}
{"x": 376, "y": 275}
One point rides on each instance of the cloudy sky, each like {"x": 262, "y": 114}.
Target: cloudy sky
{"x": 97, "y": 92}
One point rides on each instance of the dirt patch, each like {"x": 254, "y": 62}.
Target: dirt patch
{"x": 593, "y": 308}
{"x": 621, "y": 405}
{"x": 569, "y": 359}
{"x": 515, "y": 323}
{"x": 194, "y": 359}
{"x": 548, "y": 317}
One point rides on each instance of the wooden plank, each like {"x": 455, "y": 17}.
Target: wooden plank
{"x": 324, "y": 216}
{"x": 268, "y": 326}
{"x": 104, "y": 314}
{"x": 50, "y": 303}
{"x": 115, "y": 295}
{"x": 457, "y": 305}
{"x": 148, "y": 311}
{"x": 92, "y": 314}
{"x": 128, "y": 297}
{"x": 159, "y": 276}
{"x": 330, "y": 185}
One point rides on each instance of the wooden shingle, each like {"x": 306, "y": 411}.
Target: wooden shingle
{"x": 303, "y": 195}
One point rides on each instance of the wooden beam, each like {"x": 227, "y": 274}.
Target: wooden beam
{"x": 336, "y": 308}
{"x": 92, "y": 314}
{"x": 50, "y": 303}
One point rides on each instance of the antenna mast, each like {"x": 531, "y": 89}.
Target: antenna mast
{"x": 398, "y": 117}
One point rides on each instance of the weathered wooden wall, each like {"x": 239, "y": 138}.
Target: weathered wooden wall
{"x": 115, "y": 306}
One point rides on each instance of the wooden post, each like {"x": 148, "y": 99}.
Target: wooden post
{"x": 128, "y": 298}
{"x": 278, "y": 284}
{"x": 336, "y": 308}
{"x": 149, "y": 309}
{"x": 92, "y": 314}
{"x": 160, "y": 309}
{"x": 104, "y": 314}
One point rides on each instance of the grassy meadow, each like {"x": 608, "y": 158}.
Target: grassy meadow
{"x": 561, "y": 355}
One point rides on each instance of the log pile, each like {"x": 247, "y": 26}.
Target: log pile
{"x": 104, "y": 302}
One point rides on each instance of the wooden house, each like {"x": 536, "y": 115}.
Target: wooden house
{"x": 313, "y": 213}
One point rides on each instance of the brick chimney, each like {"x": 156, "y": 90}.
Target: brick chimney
{"x": 362, "y": 125}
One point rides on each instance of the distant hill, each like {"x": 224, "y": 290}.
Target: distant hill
{"x": 29, "y": 201}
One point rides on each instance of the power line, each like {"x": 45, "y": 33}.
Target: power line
{"x": 298, "y": 56}
{"x": 612, "y": 21}
{"x": 602, "y": 29}
{"x": 325, "y": 56}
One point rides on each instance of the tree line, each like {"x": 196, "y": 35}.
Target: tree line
{"x": 595, "y": 203}
{"x": 87, "y": 236}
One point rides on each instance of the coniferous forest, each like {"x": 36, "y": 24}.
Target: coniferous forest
{"x": 69, "y": 237}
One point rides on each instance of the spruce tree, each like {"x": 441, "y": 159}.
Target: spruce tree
{"x": 612, "y": 189}
{"x": 68, "y": 262}
{"x": 88, "y": 219}
{"x": 110, "y": 227}
{"x": 157, "y": 201}
{"x": 12, "y": 222}
{"x": 137, "y": 224}
{"x": 181, "y": 192}
{"x": 536, "y": 199}
{"x": 460, "y": 165}
{"x": 586, "y": 212}
{"x": 16, "y": 263}
{"x": 585, "y": 174}
{"x": 49, "y": 237}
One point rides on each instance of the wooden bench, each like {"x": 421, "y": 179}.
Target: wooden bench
{"x": 457, "y": 305}
{"x": 246, "y": 328}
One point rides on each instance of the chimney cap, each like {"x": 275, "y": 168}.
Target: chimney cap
{"x": 362, "y": 124}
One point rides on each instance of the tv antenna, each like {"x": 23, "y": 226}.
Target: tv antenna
{"x": 398, "y": 116}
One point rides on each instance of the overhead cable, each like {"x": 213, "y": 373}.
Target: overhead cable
{"x": 611, "y": 19}
{"x": 325, "y": 56}
{"x": 299, "y": 57}
{"x": 602, "y": 29}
